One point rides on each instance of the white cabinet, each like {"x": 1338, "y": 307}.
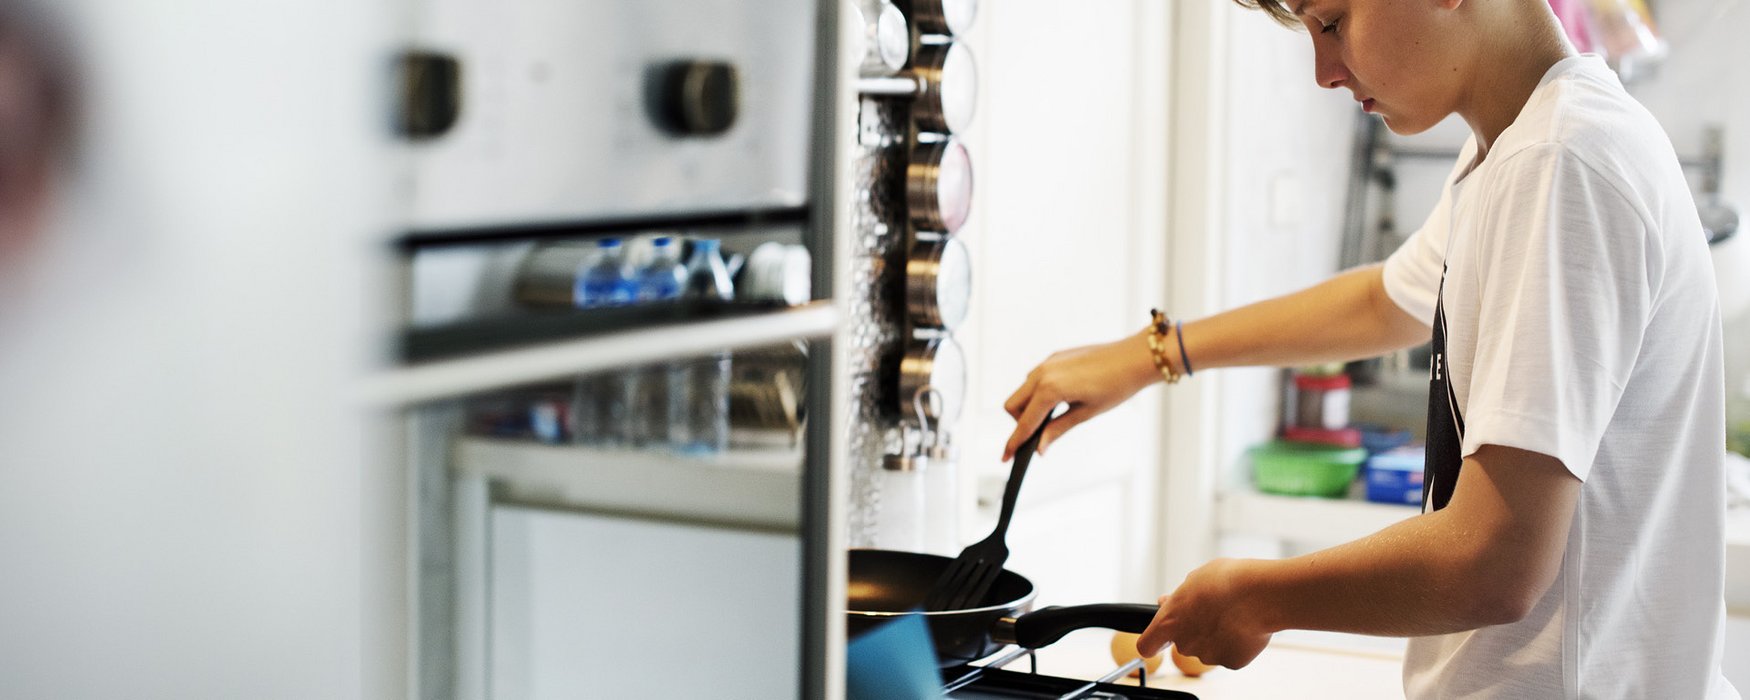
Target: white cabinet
{"x": 1738, "y": 561}
{"x": 1736, "y": 663}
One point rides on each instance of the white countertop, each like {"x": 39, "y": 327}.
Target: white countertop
{"x": 1292, "y": 667}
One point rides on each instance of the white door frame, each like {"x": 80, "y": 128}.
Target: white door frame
{"x": 1186, "y": 497}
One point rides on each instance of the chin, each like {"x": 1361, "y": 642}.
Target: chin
{"x": 1407, "y": 126}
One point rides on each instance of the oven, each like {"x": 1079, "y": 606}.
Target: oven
{"x": 607, "y": 484}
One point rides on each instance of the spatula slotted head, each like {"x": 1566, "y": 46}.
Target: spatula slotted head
{"x": 967, "y": 581}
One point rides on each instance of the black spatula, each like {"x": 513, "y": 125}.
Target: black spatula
{"x": 969, "y": 577}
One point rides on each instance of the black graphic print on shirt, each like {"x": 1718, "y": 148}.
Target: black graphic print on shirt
{"x": 1445, "y": 422}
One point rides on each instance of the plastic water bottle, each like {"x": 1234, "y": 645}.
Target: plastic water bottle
{"x": 707, "y": 275}
{"x": 658, "y": 282}
{"x": 600, "y": 406}
{"x": 698, "y": 406}
{"x": 661, "y": 280}
{"x": 603, "y": 281}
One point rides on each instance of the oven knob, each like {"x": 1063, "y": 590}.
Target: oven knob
{"x": 699, "y": 98}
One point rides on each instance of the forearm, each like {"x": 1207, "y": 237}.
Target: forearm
{"x": 1488, "y": 558}
{"x": 1391, "y": 583}
{"x": 1347, "y": 317}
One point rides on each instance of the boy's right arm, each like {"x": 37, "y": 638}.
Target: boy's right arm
{"x": 1347, "y": 317}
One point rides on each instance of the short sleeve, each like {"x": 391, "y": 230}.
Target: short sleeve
{"x": 1564, "y": 294}
{"x": 1412, "y": 272}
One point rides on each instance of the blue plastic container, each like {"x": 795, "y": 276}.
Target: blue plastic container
{"x": 1378, "y": 438}
{"x": 1395, "y": 476}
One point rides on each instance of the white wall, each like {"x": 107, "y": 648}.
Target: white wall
{"x": 1287, "y": 144}
{"x": 179, "y": 467}
{"x": 1066, "y": 237}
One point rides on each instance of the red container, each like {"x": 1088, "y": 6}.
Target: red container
{"x": 1344, "y": 437}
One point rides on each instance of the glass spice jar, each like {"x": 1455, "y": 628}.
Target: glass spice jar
{"x": 1321, "y": 402}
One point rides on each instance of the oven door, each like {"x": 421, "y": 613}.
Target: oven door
{"x": 589, "y": 605}
{"x": 568, "y": 111}
{"x": 551, "y": 568}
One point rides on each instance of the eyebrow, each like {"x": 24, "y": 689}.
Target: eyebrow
{"x": 1300, "y": 8}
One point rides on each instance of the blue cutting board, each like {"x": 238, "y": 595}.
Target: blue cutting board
{"x": 896, "y": 661}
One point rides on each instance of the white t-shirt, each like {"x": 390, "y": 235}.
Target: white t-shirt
{"x": 1581, "y": 321}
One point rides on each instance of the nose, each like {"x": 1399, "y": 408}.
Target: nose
{"x": 1328, "y": 69}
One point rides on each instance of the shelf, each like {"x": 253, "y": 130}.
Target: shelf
{"x": 714, "y": 222}
{"x": 753, "y": 489}
{"x": 478, "y": 336}
{"x": 1305, "y": 519}
{"x": 451, "y": 378}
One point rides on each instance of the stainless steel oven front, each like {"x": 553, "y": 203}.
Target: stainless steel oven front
{"x": 591, "y": 110}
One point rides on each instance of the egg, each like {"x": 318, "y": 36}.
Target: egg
{"x": 1189, "y": 665}
{"x": 1124, "y": 650}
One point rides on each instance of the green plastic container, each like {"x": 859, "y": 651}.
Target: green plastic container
{"x": 1305, "y": 469}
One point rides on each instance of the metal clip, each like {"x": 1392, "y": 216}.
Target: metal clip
{"x": 929, "y": 400}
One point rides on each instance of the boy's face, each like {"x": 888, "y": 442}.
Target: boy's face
{"x": 1398, "y": 58}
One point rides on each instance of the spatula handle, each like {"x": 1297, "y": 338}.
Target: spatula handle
{"x": 1012, "y": 491}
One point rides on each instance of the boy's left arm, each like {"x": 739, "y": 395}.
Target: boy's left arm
{"x": 1484, "y": 559}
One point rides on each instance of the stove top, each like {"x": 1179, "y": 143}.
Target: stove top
{"x": 991, "y": 679}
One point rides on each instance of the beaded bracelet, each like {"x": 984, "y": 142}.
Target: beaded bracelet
{"x": 1157, "y": 346}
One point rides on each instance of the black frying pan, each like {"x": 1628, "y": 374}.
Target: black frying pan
{"x": 884, "y": 584}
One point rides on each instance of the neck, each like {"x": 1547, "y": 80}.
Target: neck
{"x": 1499, "y": 89}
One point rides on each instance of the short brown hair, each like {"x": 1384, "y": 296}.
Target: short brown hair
{"x": 1274, "y": 8}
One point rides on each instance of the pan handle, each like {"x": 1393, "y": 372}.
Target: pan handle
{"x": 1045, "y": 626}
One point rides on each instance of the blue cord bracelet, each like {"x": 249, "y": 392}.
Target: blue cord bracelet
{"x": 1183, "y": 358}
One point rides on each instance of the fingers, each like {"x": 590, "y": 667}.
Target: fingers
{"x": 1029, "y": 421}
{"x": 1018, "y": 401}
{"x": 1075, "y": 416}
{"x": 1157, "y": 636}
{"x": 1015, "y": 406}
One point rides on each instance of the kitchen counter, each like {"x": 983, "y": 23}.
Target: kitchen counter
{"x": 1291, "y": 667}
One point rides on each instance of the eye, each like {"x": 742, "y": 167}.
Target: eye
{"x": 1331, "y": 28}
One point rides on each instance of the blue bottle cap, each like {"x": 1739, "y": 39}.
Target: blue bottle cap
{"x": 661, "y": 241}
{"x": 608, "y": 243}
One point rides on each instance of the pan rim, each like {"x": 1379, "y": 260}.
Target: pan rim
{"x": 1016, "y": 603}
